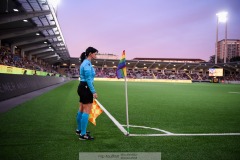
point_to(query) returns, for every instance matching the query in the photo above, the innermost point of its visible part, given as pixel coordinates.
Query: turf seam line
(112, 118)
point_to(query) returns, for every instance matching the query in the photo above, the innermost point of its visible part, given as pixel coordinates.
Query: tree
(234, 59)
(212, 59)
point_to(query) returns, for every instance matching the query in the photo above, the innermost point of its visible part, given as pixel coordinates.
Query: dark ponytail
(89, 50)
(83, 56)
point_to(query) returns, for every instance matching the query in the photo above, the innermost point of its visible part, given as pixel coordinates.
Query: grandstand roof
(230, 40)
(39, 18)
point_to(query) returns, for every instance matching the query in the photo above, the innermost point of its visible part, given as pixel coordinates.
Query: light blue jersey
(87, 74)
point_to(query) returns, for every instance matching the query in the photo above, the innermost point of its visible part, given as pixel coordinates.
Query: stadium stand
(31, 42)
(30, 37)
(30, 29)
(15, 60)
(196, 70)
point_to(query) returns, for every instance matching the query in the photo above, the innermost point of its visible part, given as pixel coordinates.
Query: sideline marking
(196, 134)
(122, 129)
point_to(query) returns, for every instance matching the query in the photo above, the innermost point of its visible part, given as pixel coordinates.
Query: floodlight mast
(221, 18)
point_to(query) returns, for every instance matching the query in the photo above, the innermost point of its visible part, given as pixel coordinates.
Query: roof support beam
(58, 42)
(54, 61)
(181, 66)
(21, 32)
(51, 56)
(230, 66)
(196, 67)
(32, 47)
(166, 65)
(33, 40)
(51, 59)
(44, 54)
(135, 65)
(151, 64)
(21, 16)
(40, 51)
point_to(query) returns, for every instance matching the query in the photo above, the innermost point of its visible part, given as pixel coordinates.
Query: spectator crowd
(9, 59)
(145, 74)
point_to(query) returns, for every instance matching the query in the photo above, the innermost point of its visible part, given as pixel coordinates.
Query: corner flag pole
(121, 72)
(125, 79)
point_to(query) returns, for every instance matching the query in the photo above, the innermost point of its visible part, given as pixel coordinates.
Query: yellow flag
(95, 112)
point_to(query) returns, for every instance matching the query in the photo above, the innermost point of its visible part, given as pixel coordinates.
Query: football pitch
(44, 128)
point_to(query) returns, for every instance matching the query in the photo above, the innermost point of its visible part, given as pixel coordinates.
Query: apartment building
(233, 48)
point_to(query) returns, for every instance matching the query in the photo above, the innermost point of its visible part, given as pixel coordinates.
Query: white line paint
(113, 119)
(122, 129)
(156, 129)
(197, 134)
(234, 92)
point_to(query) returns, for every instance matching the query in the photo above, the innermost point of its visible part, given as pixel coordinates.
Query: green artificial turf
(44, 128)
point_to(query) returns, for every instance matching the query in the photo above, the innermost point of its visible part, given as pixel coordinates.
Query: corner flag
(121, 70)
(95, 112)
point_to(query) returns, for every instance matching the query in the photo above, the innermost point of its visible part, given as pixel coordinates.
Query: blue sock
(84, 123)
(79, 117)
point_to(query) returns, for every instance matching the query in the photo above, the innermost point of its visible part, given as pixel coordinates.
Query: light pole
(221, 17)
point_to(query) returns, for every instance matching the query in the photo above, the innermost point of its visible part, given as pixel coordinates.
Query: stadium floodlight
(221, 17)
(54, 3)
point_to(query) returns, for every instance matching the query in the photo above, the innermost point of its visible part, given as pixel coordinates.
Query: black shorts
(85, 95)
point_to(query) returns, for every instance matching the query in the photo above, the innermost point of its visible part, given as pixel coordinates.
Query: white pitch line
(159, 135)
(197, 134)
(234, 92)
(113, 119)
(156, 129)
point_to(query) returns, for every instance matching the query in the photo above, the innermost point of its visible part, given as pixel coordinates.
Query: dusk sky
(147, 28)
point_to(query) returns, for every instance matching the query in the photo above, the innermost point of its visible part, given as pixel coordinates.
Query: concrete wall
(12, 85)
